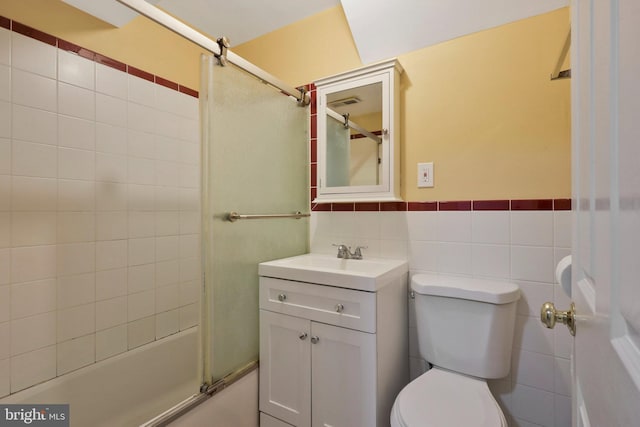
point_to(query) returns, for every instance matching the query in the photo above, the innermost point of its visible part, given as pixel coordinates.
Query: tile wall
(99, 207)
(517, 240)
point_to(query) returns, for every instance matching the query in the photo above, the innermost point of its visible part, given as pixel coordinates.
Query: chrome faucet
(345, 252)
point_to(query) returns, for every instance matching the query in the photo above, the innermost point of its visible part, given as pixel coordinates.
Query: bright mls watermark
(34, 415)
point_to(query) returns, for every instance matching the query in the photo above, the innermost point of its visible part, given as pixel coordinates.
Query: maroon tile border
(314, 127)
(342, 207)
(460, 205)
(5, 22)
(321, 207)
(140, 73)
(167, 83)
(562, 204)
(188, 91)
(314, 174)
(422, 206)
(491, 205)
(94, 56)
(393, 206)
(33, 33)
(367, 207)
(455, 206)
(109, 62)
(314, 150)
(80, 51)
(532, 205)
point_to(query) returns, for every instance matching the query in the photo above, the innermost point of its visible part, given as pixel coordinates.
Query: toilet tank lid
(484, 290)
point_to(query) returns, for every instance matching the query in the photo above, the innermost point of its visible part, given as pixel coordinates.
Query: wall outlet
(425, 175)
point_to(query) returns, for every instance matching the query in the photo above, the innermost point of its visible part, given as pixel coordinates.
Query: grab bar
(234, 216)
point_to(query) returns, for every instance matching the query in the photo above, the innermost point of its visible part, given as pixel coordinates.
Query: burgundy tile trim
(422, 206)
(313, 105)
(314, 126)
(5, 22)
(342, 207)
(89, 54)
(313, 193)
(455, 205)
(74, 48)
(105, 60)
(367, 207)
(532, 205)
(491, 205)
(562, 204)
(393, 206)
(167, 83)
(33, 33)
(321, 207)
(140, 73)
(314, 174)
(188, 91)
(314, 150)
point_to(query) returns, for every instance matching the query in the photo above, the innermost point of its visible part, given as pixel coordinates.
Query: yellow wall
(141, 43)
(481, 107)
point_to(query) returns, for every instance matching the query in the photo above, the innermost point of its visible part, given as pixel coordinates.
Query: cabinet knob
(282, 297)
(339, 308)
(303, 336)
(315, 339)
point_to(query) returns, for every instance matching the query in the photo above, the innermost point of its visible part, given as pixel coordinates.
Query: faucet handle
(343, 250)
(357, 254)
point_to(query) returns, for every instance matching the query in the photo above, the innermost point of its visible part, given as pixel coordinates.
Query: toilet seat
(441, 398)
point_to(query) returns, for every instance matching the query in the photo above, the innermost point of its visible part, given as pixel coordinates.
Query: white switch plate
(425, 175)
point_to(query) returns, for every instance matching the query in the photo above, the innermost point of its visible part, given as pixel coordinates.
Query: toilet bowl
(441, 398)
(465, 329)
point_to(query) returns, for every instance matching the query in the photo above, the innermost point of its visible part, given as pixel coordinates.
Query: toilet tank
(465, 324)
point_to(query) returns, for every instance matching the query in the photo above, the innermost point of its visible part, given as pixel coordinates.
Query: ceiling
(380, 29)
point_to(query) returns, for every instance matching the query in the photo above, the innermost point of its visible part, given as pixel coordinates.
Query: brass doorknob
(549, 316)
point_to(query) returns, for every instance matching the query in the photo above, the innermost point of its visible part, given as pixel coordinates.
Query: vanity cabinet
(331, 356)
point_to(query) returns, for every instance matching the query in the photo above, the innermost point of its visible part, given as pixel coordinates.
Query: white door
(343, 375)
(606, 197)
(285, 364)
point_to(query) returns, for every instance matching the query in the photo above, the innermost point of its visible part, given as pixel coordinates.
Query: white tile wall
(522, 246)
(99, 212)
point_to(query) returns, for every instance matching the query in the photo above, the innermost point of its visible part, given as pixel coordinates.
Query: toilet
(465, 330)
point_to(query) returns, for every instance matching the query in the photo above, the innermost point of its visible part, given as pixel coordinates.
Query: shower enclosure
(123, 287)
(255, 162)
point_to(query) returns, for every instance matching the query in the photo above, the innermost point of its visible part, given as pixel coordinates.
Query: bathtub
(128, 389)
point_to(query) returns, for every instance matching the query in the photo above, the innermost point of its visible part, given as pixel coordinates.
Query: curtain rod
(161, 17)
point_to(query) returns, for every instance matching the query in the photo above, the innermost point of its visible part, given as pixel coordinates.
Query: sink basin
(369, 274)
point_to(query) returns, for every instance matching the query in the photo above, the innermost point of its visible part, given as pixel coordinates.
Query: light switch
(425, 174)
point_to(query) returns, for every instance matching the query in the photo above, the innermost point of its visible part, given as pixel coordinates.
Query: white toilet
(465, 329)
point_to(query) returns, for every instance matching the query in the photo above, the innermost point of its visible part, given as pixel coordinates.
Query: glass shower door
(255, 162)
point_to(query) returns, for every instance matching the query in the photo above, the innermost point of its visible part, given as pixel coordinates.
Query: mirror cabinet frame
(388, 188)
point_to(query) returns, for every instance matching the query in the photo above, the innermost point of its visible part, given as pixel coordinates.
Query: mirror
(358, 122)
(354, 129)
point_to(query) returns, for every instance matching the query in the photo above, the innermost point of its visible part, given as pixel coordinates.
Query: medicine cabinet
(359, 134)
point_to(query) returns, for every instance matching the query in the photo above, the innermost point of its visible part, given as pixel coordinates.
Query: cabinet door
(285, 363)
(343, 377)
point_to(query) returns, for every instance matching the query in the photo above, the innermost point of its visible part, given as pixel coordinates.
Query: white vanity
(333, 341)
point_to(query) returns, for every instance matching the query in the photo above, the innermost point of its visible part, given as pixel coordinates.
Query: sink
(369, 274)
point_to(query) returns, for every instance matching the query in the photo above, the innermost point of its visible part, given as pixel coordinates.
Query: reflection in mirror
(354, 126)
